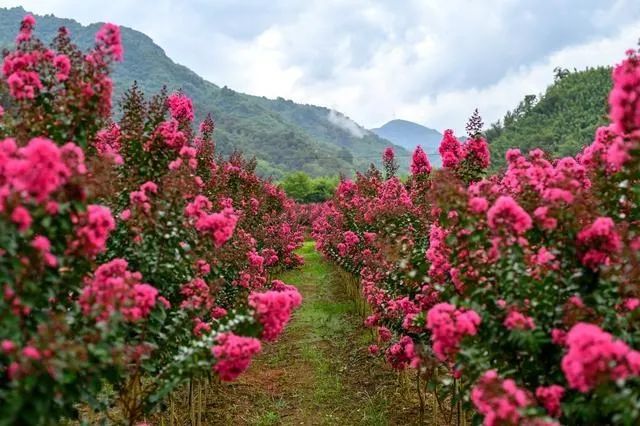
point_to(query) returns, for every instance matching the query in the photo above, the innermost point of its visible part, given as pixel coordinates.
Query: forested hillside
(561, 121)
(282, 135)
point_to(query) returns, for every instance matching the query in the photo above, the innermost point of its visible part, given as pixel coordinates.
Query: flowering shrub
(523, 284)
(130, 255)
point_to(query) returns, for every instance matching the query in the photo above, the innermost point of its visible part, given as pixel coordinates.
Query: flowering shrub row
(524, 285)
(130, 255)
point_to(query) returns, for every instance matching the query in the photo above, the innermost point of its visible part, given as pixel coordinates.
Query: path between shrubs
(319, 371)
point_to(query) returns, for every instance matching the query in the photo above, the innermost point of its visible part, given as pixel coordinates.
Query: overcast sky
(429, 61)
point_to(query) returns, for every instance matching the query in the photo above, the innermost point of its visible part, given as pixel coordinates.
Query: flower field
(515, 296)
(133, 259)
(137, 262)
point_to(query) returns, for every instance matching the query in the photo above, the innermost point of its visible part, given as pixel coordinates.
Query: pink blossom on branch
(219, 225)
(450, 150)
(500, 401)
(109, 42)
(595, 356)
(273, 310)
(113, 288)
(420, 162)
(233, 355)
(507, 214)
(624, 99)
(95, 226)
(600, 241)
(477, 150)
(388, 155)
(517, 321)
(448, 327)
(107, 143)
(549, 397)
(180, 107)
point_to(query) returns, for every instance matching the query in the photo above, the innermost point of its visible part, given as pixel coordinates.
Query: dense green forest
(561, 121)
(282, 135)
(305, 189)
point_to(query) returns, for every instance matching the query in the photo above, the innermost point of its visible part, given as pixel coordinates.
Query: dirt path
(319, 372)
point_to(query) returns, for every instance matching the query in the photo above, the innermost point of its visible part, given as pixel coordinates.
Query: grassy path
(319, 372)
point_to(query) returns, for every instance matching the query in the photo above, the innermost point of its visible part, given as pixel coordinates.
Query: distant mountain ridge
(283, 136)
(408, 135)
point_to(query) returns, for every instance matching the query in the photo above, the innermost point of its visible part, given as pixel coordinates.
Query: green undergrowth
(319, 371)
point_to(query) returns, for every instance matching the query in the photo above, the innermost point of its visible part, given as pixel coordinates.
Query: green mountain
(282, 135)
(561, 121)
(408, 135)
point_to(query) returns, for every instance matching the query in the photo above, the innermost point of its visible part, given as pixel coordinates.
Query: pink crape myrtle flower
(549, 397)
(500, 401)
(93, 233)
(180, 107)
(507, 214)
(518, 321)
(595, 356)
(448, 327)
(450, 150)
(219, 225)
(420, 162)
(233, 355)
(273, 309)
(403, 354)
(109, 42)
(600, 241)
(113, 288)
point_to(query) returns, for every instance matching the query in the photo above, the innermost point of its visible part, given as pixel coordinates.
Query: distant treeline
(560, 121)
(305, 189)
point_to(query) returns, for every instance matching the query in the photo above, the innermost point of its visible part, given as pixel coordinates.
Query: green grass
(318, 372)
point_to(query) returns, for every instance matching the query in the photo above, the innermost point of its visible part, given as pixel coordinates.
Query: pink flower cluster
(550, 397)
(438, 254)
(140, 198)
(388, 155)
(624, 99)
(233, 354)
(474, 151)
(600, 241)
(219, 225)
(274, 308)
(93, 230)
(351, 238)
(448, 327)
(507, 214)
(63, 67)
(180, 107)
(43, 245)
(20, 70)
(170, 134)
(196, 295)
(107, 143)
(402, 354)
(608, 149)
(420, 162)
(450, 150)
(27, 25)
(38, 169)
(114, 288)
(198, 207)
(517, 321)
(500, 401)
(477, 150)
(595, 356)
(109, 42)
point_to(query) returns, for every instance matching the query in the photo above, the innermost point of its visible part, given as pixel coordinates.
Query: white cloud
(338, 119)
